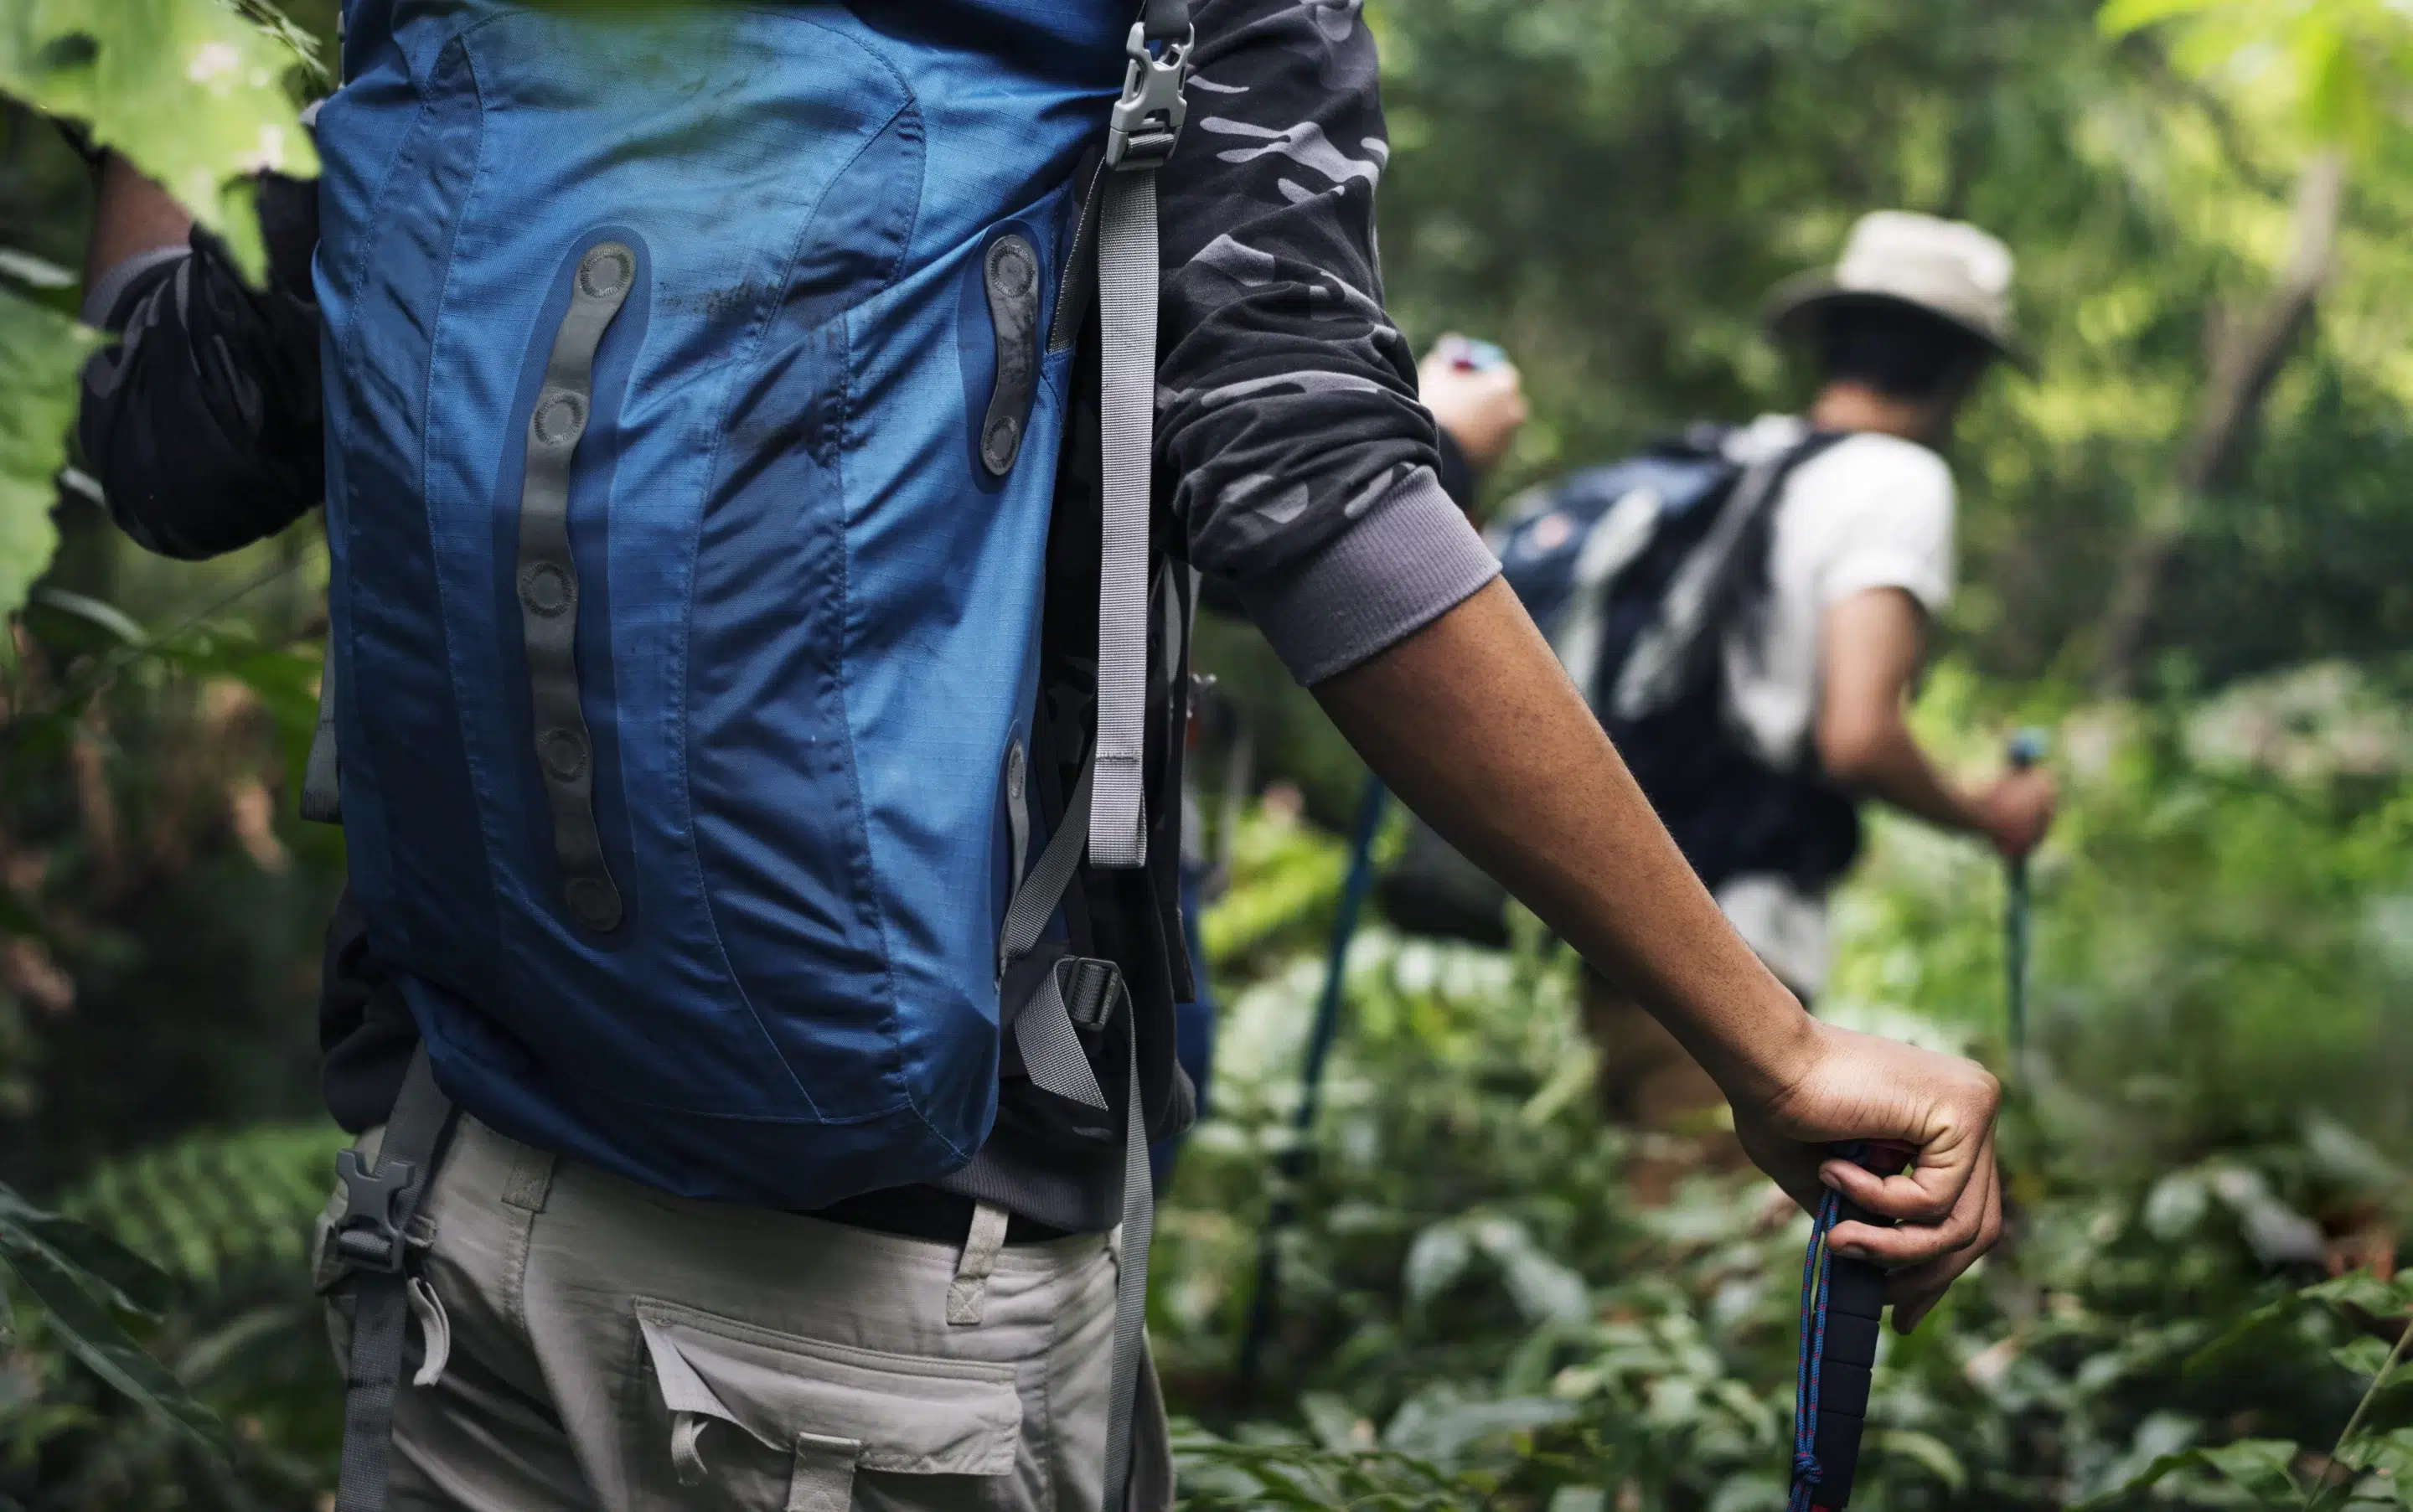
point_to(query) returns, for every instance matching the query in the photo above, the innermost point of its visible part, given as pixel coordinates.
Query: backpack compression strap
(1145, 125)
(374, 1240)
(1047, 995)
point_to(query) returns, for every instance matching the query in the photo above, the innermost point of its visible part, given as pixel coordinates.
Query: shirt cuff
(108, 291)
(1410, 558)
(1890, 570)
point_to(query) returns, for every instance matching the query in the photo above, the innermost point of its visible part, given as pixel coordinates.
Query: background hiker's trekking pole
(2027, 748)
(1265, 1296)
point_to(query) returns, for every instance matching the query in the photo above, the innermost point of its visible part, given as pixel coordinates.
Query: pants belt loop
(530, 1182)
(967, 1295)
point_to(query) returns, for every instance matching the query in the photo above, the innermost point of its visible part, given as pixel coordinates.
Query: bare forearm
(130, 215)
(1890, 767)
(1472, 721)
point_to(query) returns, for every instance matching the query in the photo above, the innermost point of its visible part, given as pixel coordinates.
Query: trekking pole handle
(1841, 1313)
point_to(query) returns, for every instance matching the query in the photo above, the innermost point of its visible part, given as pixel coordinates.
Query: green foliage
(82, 1280)
(229, 1214)
(2338, 67)
(1609, 186)
(194, 92)
(39, 356)
(1475, 1312)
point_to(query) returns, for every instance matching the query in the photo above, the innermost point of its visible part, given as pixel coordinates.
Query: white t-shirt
(1870, 512)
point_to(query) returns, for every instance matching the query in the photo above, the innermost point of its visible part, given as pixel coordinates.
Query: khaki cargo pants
(595, 1345)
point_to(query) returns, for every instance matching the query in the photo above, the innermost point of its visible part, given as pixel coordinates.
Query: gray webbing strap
(1130, 1286)
(1036, 899)
(1092, 992)
(1127, 300)
(1702, 588)
(1088, 993)
(373, 1238)
(548, 584)
(322, 801)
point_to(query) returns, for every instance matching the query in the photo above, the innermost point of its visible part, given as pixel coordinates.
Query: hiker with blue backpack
(760, 452)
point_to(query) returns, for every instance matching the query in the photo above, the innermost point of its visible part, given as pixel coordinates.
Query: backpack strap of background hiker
(374, 1242)
(1703, 592)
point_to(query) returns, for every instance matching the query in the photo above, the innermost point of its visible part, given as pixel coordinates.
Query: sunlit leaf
(2121, 17)
(192, 91)
(40, 354)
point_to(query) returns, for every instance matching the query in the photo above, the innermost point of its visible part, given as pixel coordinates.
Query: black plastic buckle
(1091, 989)
(1147, 121)
(379, 1206)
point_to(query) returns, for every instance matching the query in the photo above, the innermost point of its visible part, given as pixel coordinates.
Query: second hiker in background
(1822, 638)
(1748, 609)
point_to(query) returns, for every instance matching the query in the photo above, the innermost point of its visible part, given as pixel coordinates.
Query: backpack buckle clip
(379, 1202)
(1147, 121)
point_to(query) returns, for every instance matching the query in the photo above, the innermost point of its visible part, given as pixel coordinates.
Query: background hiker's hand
(1948, 1208)
(2018, 810)
(1482, 408)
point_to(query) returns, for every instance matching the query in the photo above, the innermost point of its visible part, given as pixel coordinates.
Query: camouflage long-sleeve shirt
(1286, 400)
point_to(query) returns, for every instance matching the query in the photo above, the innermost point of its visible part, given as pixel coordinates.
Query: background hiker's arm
(130, 215)
(1873, 643)
(202, 420)
(1473, 723)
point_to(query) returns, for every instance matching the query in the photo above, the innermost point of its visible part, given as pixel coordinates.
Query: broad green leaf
(1436, 1260)
(124, 1278)
(40, 354)
(2363, 1356)
(2362, 1290)
(2258, 1466)
(95, 1338)
(1931, 1453)
(190, 91)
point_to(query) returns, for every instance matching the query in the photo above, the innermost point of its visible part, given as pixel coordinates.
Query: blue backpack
(696, 381)
(716, 767)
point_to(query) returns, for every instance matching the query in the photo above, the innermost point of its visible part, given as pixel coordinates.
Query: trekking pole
(2027, 748)
(1293, 1166)
(1841, 1301)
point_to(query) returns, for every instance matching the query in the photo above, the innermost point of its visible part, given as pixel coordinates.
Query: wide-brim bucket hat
(1948, 268)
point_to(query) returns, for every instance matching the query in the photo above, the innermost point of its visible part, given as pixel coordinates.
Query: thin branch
(2246, 357)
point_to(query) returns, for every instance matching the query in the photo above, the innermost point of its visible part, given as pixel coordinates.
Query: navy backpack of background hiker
(1635, 571)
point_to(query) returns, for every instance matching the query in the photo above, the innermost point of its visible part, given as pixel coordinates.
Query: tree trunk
(2246, 354)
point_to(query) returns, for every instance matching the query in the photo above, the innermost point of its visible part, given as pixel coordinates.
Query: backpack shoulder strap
(1145, 125)
(1703, 591)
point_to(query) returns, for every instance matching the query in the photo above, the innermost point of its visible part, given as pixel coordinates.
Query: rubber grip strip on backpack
(1010, 275)
(548, 587)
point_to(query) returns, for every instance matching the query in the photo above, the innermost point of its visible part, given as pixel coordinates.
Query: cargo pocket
(769, 1422)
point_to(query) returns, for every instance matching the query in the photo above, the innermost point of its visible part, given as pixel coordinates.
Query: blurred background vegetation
(2188, 548)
